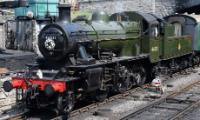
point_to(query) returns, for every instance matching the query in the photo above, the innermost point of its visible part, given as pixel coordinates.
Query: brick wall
(160, 8)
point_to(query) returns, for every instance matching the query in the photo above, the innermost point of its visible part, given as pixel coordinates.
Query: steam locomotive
(91, 58)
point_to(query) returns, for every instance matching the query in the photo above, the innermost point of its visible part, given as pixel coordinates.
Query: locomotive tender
(94, 57)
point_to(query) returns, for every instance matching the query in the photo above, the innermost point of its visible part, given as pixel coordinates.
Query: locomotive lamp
(49, 90)
(39, 74)
(29, 14)
(7, 86)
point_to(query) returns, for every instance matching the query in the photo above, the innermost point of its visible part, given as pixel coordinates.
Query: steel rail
(178, 115)
(99, 104)
(173, 94)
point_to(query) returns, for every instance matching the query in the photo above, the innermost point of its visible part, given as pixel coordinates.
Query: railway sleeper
(168, 108)
(179, 101)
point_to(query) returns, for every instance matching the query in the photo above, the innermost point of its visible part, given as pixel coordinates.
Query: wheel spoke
(139, 75)
(65, 105)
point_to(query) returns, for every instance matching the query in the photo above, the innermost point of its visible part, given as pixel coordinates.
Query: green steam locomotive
(91, 58)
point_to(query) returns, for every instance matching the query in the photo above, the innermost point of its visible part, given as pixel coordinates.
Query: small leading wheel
(121, 86)
(139, 75)
(129, 80)
(65, 103)
(190, 61)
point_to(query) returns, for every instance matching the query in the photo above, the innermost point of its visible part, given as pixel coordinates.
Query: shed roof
(196, 17)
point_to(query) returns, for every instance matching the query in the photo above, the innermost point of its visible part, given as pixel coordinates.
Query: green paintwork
(145, 44)
(122, 47)
(175, 46)
(86, 14)
(154, 49)
(121, 40)
(125, 38)
(166, 46)
(197, 37)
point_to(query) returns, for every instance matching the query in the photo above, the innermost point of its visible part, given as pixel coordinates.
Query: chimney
(23, 3)
(13, 4)
(64, 13)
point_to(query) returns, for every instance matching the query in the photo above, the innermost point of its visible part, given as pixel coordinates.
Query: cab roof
(134, 15)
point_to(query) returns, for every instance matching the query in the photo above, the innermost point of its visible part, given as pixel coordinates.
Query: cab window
(154, 31)
(177, 29)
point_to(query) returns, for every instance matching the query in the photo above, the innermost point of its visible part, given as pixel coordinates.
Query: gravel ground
(16, 60)
(193, 115)
(7, 99)
(123, 107)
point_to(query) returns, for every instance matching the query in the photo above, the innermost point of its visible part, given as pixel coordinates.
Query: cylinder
(23, 3)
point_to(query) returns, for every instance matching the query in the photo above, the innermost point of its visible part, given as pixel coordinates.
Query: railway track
(170, 99)
(16, 112)
(8, 107)
(20, 116)
(99, 104)
(111, 99)
(171, 107)
(96, 105)
(27, 114)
